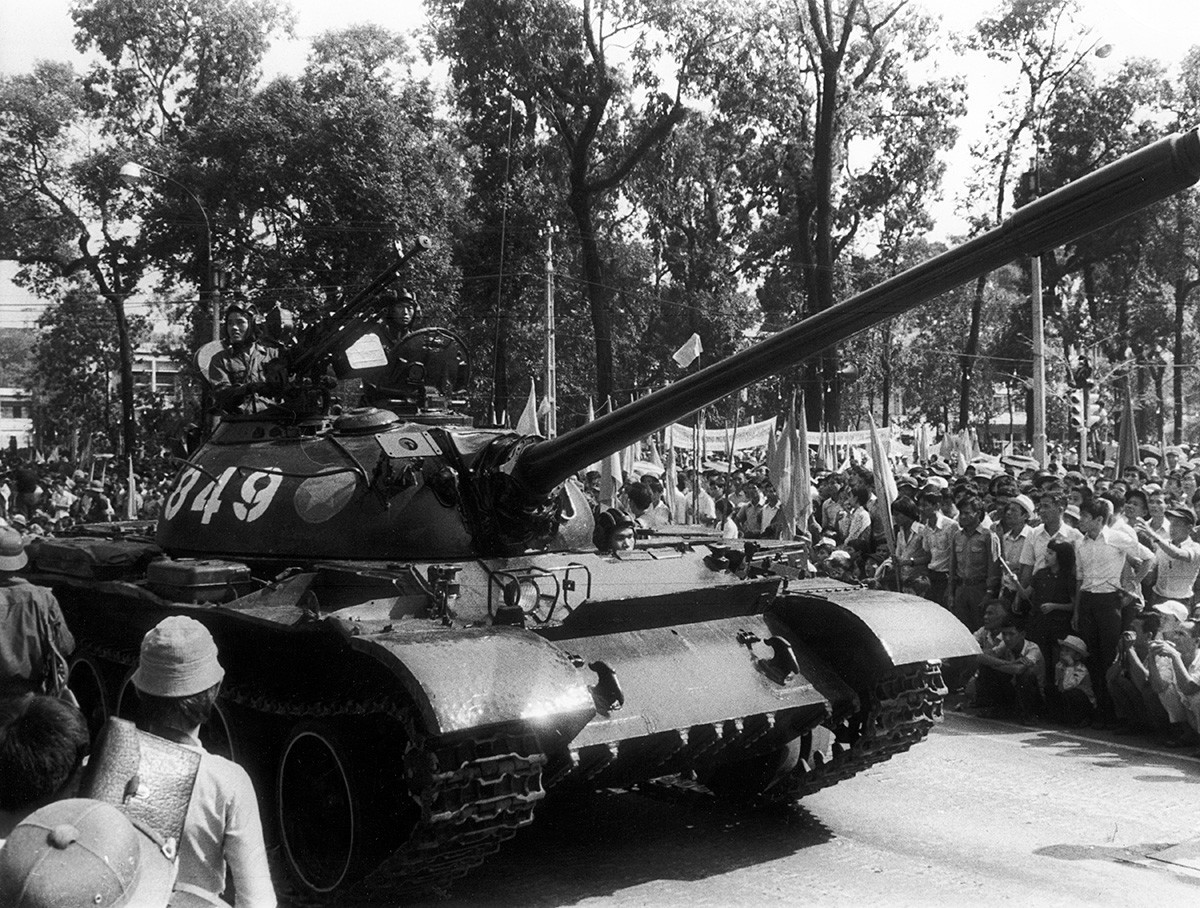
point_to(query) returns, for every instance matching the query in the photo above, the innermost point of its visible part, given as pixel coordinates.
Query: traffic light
(1096, 412)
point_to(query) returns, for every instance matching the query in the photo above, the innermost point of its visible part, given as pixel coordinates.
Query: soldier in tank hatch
(238, 372)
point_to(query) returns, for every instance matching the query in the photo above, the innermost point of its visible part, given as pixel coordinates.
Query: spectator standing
(1177, 557)
(1014, 539)
(43, 741)
(1101, 557)
(178, 677)
(975, 575)
(31, 627)
(941, 530)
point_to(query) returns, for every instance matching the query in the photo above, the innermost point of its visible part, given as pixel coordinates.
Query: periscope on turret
(421, 640)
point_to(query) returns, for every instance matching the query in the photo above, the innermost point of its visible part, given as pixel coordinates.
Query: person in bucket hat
(178, 678)
(1071, 700)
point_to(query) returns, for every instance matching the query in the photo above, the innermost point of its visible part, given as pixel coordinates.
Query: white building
(16, 417)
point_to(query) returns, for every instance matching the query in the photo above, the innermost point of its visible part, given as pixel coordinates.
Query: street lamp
(134, 174)
(1037, 318)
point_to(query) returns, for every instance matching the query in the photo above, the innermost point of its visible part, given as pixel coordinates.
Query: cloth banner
(752, 435)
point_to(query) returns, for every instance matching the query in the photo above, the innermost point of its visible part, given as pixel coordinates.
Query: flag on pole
(1128, 454)
(612, 476)
(885, 482)
(544, 407)
(131, 495)
(671, 495)
(591, 417)
(686, 355)
(528, 422)
(802, 475)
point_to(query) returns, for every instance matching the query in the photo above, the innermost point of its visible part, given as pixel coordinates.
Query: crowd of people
(1080, 585)
(46, 497)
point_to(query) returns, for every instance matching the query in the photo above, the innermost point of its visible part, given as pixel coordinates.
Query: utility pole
(1039, 342)
(551, 356)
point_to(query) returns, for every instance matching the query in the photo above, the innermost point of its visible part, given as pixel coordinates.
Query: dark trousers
(1136, 706)
(1021, 692)
(968, 603)
(939, 583)
(1071, 707)
(1100, 629)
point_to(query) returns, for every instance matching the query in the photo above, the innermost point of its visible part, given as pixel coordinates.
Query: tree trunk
(598, 296)
(128, 423)
(970, 354)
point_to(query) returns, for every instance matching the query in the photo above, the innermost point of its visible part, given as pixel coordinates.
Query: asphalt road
(981, 813)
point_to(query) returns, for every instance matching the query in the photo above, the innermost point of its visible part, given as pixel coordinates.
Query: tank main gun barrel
(1151, 174)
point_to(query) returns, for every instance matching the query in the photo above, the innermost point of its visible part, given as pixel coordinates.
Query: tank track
(473, 795)
(899, 712)
(902, 707)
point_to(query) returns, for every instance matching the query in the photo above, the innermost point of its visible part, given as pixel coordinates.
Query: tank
(421, 641)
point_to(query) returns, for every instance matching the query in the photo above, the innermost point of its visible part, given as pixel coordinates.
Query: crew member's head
(239, 322)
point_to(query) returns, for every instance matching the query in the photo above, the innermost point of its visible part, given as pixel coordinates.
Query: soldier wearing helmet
(239, 370)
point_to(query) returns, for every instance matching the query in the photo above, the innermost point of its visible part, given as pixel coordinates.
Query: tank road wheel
(86, 680)
(319, 817)
(216, 734)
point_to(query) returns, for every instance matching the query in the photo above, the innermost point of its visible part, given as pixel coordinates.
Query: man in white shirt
(1050, 508)
(1178, 558)
(1101, 557)
(1014, 539)
(940, 530)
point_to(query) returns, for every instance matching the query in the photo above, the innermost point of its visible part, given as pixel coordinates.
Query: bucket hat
(1072, 642)
(178, 658)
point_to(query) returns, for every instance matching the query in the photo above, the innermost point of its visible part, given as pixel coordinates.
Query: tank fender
(864, 633)
(464, 679)
(705, 673)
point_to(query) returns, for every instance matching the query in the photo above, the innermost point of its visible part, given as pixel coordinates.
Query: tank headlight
(521, 594)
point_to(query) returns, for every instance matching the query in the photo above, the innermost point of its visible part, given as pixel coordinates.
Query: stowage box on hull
(198, 580)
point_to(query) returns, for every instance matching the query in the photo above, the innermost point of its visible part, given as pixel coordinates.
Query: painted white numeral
(257, 493)
(182, 491)
(208, 501)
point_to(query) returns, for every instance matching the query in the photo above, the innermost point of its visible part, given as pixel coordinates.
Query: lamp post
(1038, 338)
(133, 174)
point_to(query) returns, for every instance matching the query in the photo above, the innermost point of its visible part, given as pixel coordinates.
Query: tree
(1042, 40)
(590, 75)
(74, 360)
(818, 82)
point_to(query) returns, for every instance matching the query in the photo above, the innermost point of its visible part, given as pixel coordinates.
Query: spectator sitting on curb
(1010, 675)
(1070, 699)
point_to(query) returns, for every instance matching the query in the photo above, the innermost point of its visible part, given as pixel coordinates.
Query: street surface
(981, 813)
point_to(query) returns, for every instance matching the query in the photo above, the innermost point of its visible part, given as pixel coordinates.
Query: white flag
(687, 354)
(528, 423)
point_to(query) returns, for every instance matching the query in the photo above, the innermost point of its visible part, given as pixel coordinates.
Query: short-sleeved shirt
(223, 826)
(1012, 550)
(24, 610)
(1035, 552)
(941, 542)
(1100, 562)
(1176, 576)
(975, 555)
(1030, 655)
